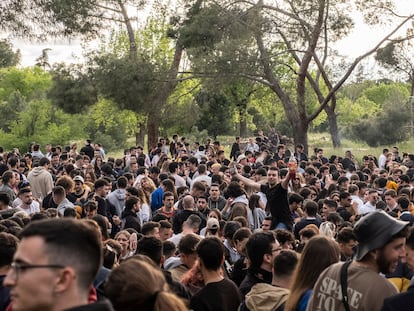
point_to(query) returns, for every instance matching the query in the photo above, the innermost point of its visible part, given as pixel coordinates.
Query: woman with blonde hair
(148, 186)
(139, 285)
(319, 253)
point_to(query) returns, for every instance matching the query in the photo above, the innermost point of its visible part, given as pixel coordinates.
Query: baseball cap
(375, 230)
(212, 223)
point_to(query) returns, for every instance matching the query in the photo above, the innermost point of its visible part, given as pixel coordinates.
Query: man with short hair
(277, 197)
(347, 242)
(117, 197)
(27, 205)
(202, 206)
(188, 255)
(310, 210)
(381, 244)
(219, 293)
(390, 197)
(54, 266)
(8, 246)
(129, 215)
(166, 231)
(40, 179)
(59, 198)
(151, 228)
(261, 249)
(215, 199)
(273, 296)
(173, 169)
(182, 215)
(167, 208)
(370, 204)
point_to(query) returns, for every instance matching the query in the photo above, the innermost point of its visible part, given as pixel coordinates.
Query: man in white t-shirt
(27, 205)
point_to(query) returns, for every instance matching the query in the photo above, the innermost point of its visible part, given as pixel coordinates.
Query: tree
(285, 46)
(8, 57)
(215, 113)
(397, 56)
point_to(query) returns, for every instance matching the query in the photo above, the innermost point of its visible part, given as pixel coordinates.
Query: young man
(277, 197)
(381, 245)
(54, 266)
(219, 293)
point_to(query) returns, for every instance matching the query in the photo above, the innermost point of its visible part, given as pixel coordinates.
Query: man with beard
(381, 241)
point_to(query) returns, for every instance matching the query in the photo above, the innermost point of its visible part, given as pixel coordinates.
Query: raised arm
(247, 181)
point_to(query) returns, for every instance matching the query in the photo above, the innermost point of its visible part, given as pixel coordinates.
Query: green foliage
(387, 93)
(109, 125)
(215, 113)
(8, 57)
(72, 90)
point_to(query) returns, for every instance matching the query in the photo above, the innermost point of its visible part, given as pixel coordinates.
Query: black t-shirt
(278, 205)
(218, 296)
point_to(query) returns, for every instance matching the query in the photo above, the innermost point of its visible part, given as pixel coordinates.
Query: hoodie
(265, 297)
(41, 182)
(117, 199)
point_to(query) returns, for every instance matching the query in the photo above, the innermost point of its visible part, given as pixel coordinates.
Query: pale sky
(70, 51)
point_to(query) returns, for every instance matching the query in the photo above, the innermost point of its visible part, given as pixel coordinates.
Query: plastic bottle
(293, 166)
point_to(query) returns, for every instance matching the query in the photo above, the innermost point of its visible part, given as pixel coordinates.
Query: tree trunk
(243, 121)
(153, 128)
(130, 31)
(140, 135)
(300, 133)
(333, 126)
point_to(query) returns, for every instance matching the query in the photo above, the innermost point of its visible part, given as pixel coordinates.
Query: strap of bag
(344, 284)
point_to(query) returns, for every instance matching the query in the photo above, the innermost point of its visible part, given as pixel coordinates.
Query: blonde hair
(138, 284)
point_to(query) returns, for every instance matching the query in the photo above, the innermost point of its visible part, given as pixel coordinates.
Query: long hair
(140, 285)
(319, 253)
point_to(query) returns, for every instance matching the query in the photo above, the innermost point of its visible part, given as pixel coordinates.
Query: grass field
(322, 140)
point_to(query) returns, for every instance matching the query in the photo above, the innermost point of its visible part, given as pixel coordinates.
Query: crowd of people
(187, 227)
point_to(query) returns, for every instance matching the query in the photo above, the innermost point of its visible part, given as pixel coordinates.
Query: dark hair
(211, 253)
(285, 263)
(311, 208)
(259, 244)
(152, 247)
(188, 243)
(230, 228)
(130, 202)
(8, 246)
(72, 243)
(241, 234)
(149, 226)
(346, 235)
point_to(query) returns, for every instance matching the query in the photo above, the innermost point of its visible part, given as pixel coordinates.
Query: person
(8, 246)
(264, 297)
(8, 179)
(129, 215)
(347, 242)
(319, 253)
(219, 293)
(381, 244)
(138, 284)
(40, 179)
(404, 300)
(310, 210)
(277, 197)
(28, 205)
(235, 149)
(261, 248)
(54, 266)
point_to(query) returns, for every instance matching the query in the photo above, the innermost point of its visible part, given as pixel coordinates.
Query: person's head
(8, 246)
(347, 241)
(201, 203)
(381, 240)
(152, 247)
(25, 194)
(151, 228)
(284, 266)
(390, 197)
(8, 177)
(318, 254)
(168, 199)
(101, 187)
(54, 265)
(240, 238)
(192, 223)
(91, 209)
(58, 194)
(266, 223)
(123, 238)
(138, 284)
(329, 206)
(272, 176)
(261, 249)
(285, 238)
(4, 201)
(310, 208)
(132, 203)
(165, 229)
(188, 203)
(210, 253)
(187, 249)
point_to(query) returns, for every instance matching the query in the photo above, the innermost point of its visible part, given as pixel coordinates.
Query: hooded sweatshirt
(265, 297)
(41, 182)
(117, 199)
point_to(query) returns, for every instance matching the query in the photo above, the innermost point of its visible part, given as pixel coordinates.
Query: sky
(70, 51)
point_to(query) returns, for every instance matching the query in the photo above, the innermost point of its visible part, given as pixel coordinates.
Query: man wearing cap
(381, 243)
(80, 191)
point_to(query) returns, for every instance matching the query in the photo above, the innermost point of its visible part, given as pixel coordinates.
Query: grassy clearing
(322, 140)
